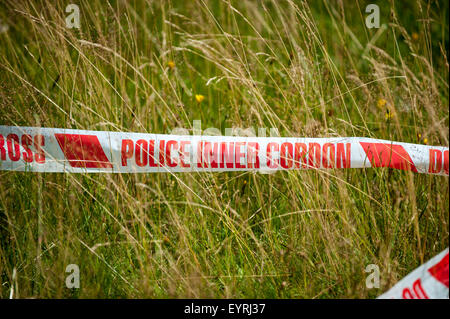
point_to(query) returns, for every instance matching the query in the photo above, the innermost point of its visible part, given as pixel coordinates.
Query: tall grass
(309, 69)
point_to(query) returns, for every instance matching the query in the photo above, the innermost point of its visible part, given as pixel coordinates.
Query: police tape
(67, 150)
(429, 281)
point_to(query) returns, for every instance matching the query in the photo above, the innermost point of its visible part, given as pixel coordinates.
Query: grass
(308, 69)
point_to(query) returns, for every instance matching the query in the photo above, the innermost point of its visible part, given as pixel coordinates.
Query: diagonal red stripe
(440, 270)
(388, 155)
(83, 150)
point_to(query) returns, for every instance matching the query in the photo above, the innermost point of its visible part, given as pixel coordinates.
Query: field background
(310, 69)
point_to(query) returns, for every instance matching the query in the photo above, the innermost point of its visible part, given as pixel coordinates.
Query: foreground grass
(308, 69)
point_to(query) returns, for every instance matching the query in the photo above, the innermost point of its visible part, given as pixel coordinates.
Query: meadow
(306, 68)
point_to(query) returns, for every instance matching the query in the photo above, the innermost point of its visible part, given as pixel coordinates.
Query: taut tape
(67, 150)
(429, 281)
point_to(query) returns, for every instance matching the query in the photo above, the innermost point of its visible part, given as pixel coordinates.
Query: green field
(309, 69)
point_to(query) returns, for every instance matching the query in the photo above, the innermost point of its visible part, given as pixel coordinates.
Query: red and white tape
(66, 150)
(429, 281)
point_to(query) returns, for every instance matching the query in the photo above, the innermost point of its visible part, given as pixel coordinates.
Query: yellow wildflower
(381, 103)
(415, 36)
(199, 98)
(171, 64)
(425, 141)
